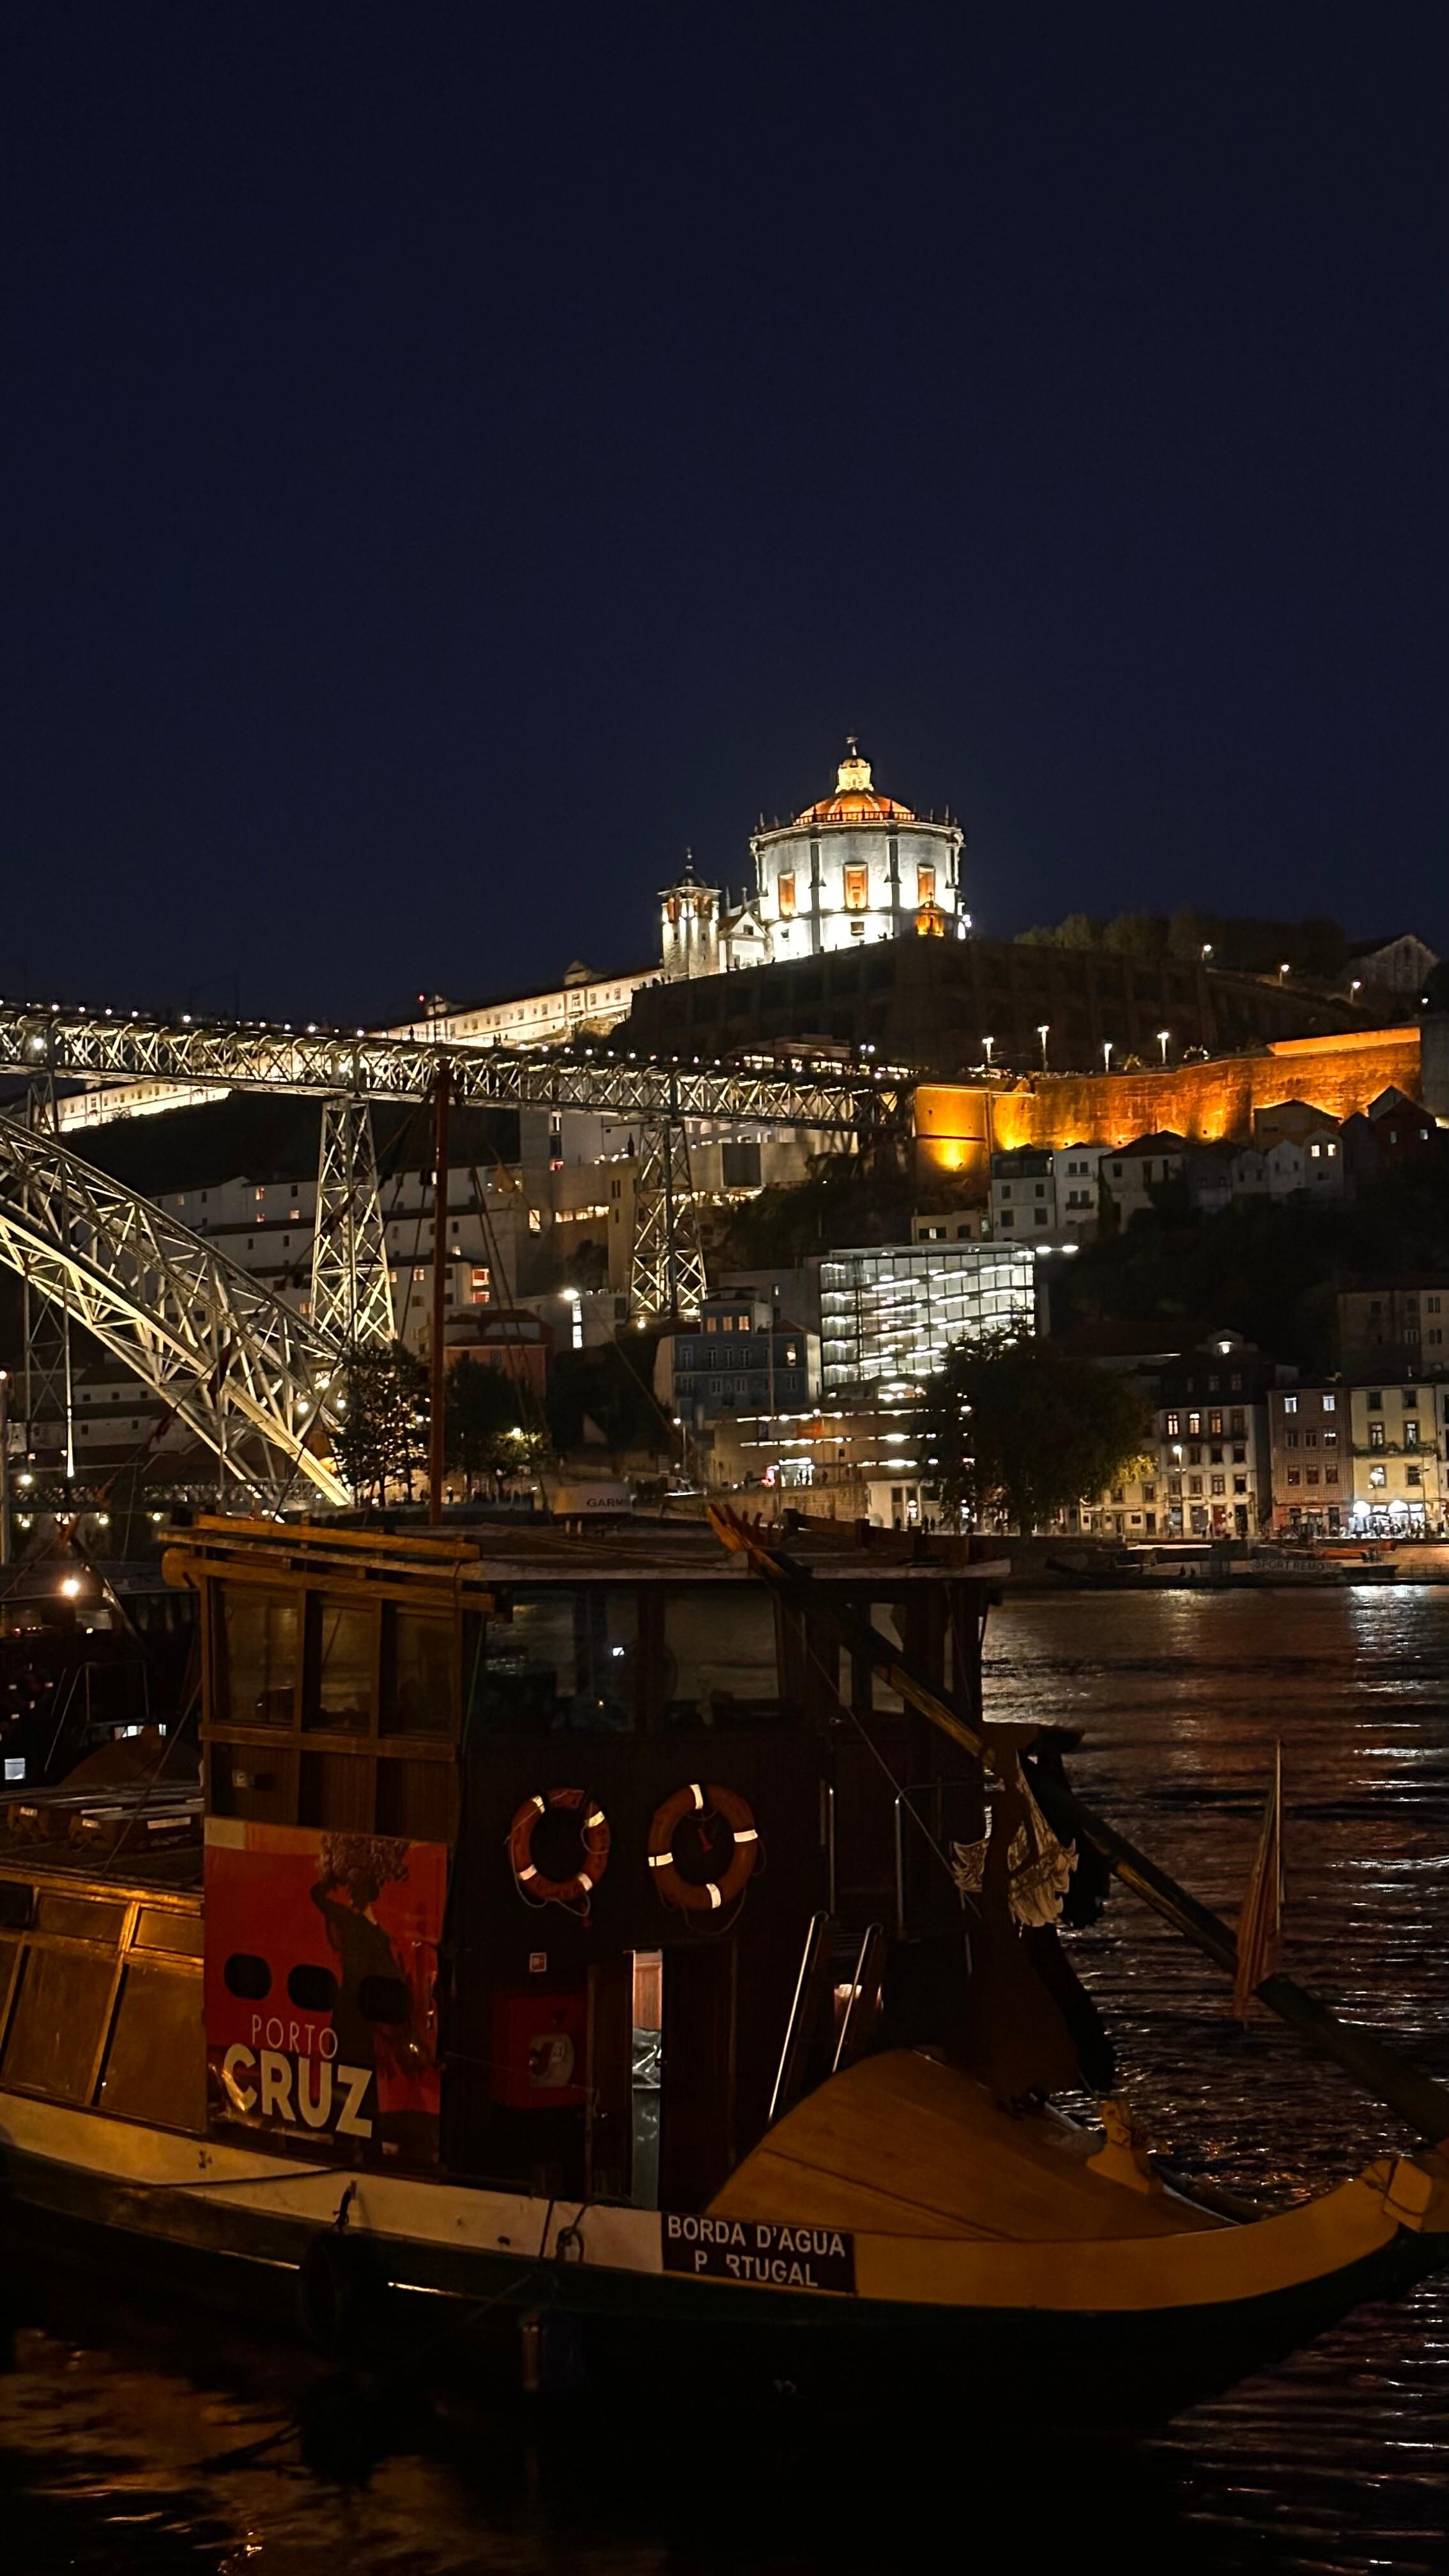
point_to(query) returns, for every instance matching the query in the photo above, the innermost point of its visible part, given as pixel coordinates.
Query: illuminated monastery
(856, 866)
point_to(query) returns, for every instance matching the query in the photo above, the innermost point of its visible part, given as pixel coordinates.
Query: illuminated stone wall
(959, 1125)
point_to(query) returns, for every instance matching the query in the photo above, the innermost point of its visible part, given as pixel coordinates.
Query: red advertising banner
(321, 1973)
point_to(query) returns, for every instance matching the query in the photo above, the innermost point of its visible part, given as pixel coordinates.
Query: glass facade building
(890, 1312)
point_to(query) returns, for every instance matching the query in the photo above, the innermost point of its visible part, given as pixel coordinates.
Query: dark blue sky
(455, 456)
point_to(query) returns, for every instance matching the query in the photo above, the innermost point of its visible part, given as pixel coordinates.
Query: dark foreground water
(130, 2444)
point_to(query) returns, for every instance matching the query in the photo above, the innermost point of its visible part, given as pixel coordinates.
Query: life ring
(593, 1833)
(705, 1896)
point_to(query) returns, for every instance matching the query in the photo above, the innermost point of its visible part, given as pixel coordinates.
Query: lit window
(925, 885)
(856, 883)
(1290, 1403)
(1378, 1475)
(787, 896)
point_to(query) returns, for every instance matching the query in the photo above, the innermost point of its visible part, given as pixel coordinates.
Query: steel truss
(666, 1276)
(47, 1386)
(247, 1376)
(108, 1047)
(351, 1286)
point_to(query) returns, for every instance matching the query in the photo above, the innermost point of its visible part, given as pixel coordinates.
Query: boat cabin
(562, 1868)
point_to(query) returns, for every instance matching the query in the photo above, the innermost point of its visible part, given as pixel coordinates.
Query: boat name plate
(758, 2253)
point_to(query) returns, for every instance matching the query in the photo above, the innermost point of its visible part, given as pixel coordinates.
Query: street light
(1356, 987)
(1163, 1035)
(1283, 970)
(1043, 1027)
(988, 1044)
(1207, 950)
(1106, 1055)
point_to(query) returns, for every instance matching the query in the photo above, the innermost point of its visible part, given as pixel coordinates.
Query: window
(1240, 1456)
(1149, 1493)
(1313, 1475)
(787, 897)
(259, 1655)
(1330, 1475)
(925, 885)
(1215, 1457)
(1295, 1475)
(1330, 1404)
(1375, 1399)
(1310, 1439)
(1290, 1403)
(1194, 1484)
(1290, 1439)
(1411, 1435)
(1240, 1484)
(1215, 1425)
(1330, 1440)
(1174, 1425)
(1409, 1398)
(1237, 1423)
(856, 885)
(1376, 1435)
(1194, 1426)
(1218, 1484)
(1413, 1475)
(1378, 1475)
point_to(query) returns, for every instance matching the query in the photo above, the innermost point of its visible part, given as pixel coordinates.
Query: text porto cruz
(759, 2252)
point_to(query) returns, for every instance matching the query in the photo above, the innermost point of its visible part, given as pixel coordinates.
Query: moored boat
(618, 1957)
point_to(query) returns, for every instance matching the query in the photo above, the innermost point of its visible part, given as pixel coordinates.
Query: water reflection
(136, 2444)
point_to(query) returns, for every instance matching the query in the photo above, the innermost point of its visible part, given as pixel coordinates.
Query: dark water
(119, 2440)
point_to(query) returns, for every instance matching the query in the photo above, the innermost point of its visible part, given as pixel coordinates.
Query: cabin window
(59, 2022)
(156, 2063)
(420, 1698)
(259, 1656)
(720, 1658)
(566, 1659)
(345, 1685)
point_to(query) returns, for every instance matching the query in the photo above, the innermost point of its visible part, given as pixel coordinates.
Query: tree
(381, 1435)
(1016, 1430)
(484, 1434)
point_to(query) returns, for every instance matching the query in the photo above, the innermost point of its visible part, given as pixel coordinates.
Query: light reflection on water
(1333, 2464)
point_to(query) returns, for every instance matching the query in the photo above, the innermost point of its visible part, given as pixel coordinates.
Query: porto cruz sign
(321, 1967)
(759, 2253)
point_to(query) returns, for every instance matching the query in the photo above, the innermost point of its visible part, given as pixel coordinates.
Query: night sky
(457, 456)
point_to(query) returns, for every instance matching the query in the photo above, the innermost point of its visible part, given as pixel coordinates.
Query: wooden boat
(599, 1968)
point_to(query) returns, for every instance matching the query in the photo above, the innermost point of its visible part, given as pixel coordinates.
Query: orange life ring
(593, 1833)
(708, 1895)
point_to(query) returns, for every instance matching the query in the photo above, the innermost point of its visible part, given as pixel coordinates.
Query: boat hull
(492, 2322)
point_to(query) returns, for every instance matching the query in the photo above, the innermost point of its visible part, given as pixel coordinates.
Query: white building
(855, 866)
(889, 1313)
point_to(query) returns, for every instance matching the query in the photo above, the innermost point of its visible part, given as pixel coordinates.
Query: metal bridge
(245, 1373)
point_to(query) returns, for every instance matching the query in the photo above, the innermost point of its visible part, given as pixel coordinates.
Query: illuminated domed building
(856, 866)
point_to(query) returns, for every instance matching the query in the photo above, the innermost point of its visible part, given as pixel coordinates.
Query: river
(119, 2434)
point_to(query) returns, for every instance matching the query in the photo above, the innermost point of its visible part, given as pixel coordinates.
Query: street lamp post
(1106, 1055)
(1043, 1030)
(1207, 950)
(1283, 971)
(987, 1045)
(1163, 1036)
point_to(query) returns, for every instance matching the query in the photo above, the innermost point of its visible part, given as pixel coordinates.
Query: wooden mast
(436, 1375)
(1372, 2063)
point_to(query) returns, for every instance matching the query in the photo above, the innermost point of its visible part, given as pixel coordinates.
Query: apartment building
(1205, 1470)
(1310, 1460)
(1397, 1439)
